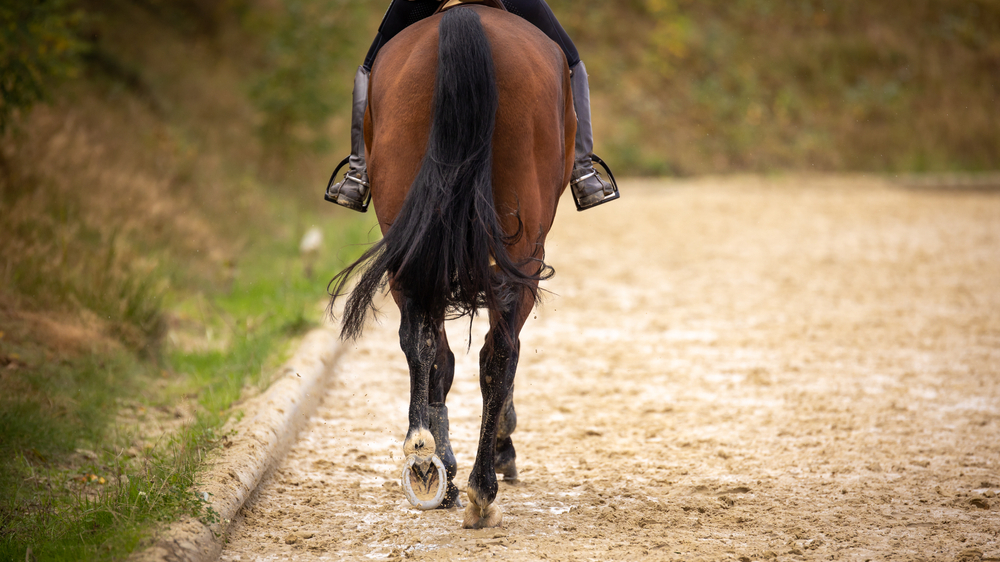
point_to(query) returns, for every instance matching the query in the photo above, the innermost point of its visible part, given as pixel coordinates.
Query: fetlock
(505, 459)
(352, 192)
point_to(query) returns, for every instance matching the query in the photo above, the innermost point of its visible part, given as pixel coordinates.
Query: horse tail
(441, 249)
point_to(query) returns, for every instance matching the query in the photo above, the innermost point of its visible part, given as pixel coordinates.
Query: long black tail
(440, 247)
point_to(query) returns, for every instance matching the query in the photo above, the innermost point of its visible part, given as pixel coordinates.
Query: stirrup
(614, 185)
(333, 179)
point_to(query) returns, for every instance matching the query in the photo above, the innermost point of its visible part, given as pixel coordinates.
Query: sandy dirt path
(738, 369)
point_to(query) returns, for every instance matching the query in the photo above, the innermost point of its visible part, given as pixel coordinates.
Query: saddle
(449, 4)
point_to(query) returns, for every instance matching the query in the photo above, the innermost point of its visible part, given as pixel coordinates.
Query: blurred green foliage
(137, 223)
(670, 38)
(680, 86)
(310, 50)
(38, 45)
(710, 86)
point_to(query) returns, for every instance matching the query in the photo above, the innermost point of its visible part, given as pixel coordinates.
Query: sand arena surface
(737, 369)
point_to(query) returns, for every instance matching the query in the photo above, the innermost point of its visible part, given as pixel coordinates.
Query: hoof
(476, 518)
(509, 471)
(451, 497)
(425, 481)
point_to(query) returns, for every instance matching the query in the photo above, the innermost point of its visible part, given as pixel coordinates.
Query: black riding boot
(352, 191)
(589, 188)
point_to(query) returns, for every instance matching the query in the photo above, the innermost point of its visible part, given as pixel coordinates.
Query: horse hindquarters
(444, 247)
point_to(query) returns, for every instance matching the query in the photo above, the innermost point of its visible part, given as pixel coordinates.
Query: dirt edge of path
(258, 443)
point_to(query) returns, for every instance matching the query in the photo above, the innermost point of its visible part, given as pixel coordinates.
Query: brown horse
(469, 135)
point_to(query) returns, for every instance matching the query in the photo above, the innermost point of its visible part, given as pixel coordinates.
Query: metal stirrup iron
(333, 179)
(614, 185)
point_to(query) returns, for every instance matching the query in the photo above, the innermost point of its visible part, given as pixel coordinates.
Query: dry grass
(689, 87)
(141, 189)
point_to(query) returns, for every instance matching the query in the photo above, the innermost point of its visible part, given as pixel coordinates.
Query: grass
(150, 275)
(88, 505)
(68, 490)
(692, 87)
(100, 449)
(272, 301)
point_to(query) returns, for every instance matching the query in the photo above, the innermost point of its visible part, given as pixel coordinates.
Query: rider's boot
(589, 188)
(352, 191)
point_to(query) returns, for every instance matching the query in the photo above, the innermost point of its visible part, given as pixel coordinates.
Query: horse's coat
(469, 136)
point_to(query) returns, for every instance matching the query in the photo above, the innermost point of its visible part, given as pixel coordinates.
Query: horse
(469, 137)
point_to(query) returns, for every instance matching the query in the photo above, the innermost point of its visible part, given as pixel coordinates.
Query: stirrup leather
(333, 179)
(614, 185)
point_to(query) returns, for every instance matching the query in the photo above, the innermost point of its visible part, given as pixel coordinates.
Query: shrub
(38, 45)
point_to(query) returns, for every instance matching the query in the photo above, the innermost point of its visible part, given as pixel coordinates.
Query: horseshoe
(425, 481)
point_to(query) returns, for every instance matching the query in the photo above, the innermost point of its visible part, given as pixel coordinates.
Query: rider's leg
(352, 191)
(588, 186)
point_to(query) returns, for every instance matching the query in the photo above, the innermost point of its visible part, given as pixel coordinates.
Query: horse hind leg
(506, 457)
(442, 375)
(424, 477)
(498, 363)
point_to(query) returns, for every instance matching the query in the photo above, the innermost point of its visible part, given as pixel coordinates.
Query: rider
(589, 188)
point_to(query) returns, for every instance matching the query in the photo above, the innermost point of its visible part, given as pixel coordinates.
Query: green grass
(150, 276)
(77, 484)
(51, 502)
(271, 301)
(103, 507)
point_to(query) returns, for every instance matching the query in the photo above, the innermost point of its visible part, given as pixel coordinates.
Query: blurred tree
(309, 41)
(670, 38)
(38, 45)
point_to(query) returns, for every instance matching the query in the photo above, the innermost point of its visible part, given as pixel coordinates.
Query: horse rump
(446, 249)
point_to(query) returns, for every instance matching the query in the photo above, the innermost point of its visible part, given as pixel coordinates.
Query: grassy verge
(63, 501)
(150, 273)
(99, 449)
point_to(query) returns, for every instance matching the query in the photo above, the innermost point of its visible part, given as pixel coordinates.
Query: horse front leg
(424, 477)
(497, 365)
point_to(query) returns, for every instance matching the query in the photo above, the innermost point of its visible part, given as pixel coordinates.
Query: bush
(312, 49)
(38, 45)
